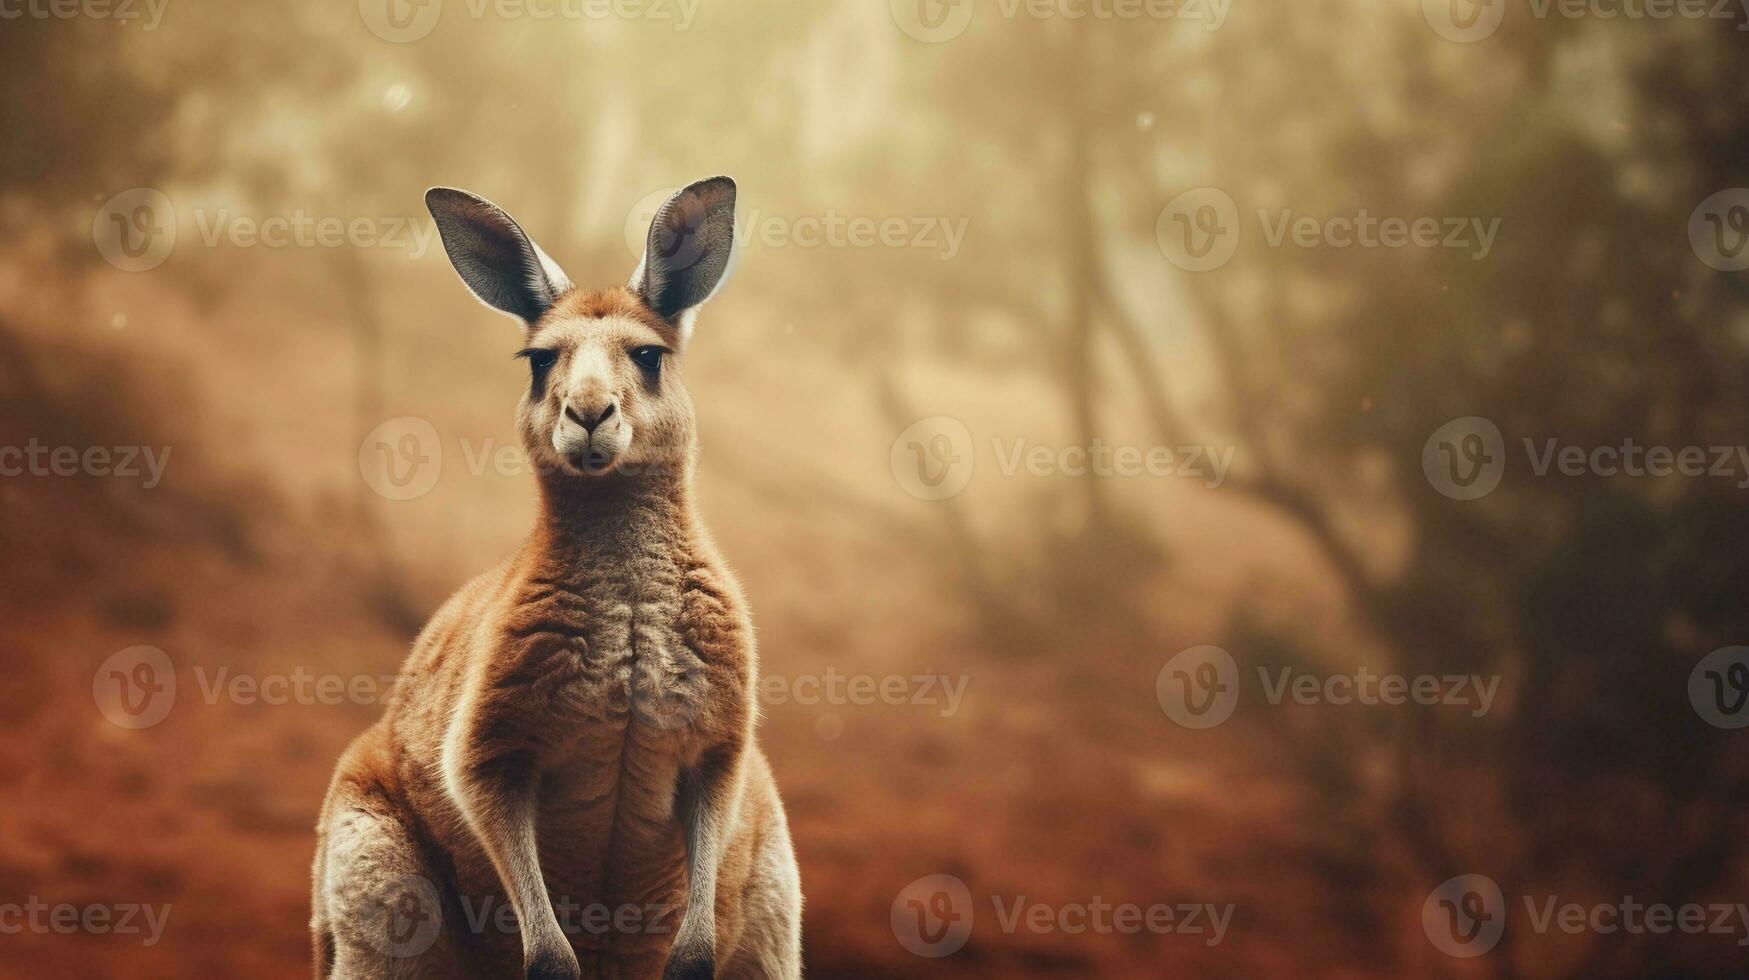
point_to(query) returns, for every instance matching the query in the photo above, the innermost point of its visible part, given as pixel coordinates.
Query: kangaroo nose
(588, 420)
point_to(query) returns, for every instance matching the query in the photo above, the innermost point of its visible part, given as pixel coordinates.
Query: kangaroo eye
(649, 357)
(539, 360)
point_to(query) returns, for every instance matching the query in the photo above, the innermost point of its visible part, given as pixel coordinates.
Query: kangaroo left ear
(500, 264)
(686, 254)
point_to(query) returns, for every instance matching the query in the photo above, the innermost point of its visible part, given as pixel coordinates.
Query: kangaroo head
(605, 393)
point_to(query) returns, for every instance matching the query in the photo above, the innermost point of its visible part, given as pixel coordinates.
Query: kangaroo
(565, 783)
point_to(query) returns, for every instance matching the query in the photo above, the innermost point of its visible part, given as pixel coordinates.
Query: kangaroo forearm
(704, 804)
(498, 798)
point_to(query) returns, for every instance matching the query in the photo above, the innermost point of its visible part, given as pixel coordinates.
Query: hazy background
(284, 382)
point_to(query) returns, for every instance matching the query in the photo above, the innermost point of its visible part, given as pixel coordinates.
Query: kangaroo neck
(613, 526)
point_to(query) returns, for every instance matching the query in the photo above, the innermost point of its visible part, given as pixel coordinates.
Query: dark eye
(649, 357)
(540, 360)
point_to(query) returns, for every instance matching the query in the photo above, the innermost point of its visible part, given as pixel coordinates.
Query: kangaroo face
(604, 394)
(604, 390)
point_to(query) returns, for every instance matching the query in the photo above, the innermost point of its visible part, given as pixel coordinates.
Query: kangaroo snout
(589, 418)
(592, 433)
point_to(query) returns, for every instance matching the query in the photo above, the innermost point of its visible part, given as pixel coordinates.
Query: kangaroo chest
(619, 693)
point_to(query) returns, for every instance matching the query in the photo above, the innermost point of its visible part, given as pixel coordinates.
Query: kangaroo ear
(500, 264)
(687, 251)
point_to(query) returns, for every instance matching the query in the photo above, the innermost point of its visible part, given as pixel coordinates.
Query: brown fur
(590, 697)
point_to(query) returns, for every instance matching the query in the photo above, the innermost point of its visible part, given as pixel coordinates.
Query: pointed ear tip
(438, 197)
(721, 182)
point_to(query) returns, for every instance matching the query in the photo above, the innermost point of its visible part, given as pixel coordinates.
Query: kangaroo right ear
(500, 264)
(686, 253)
